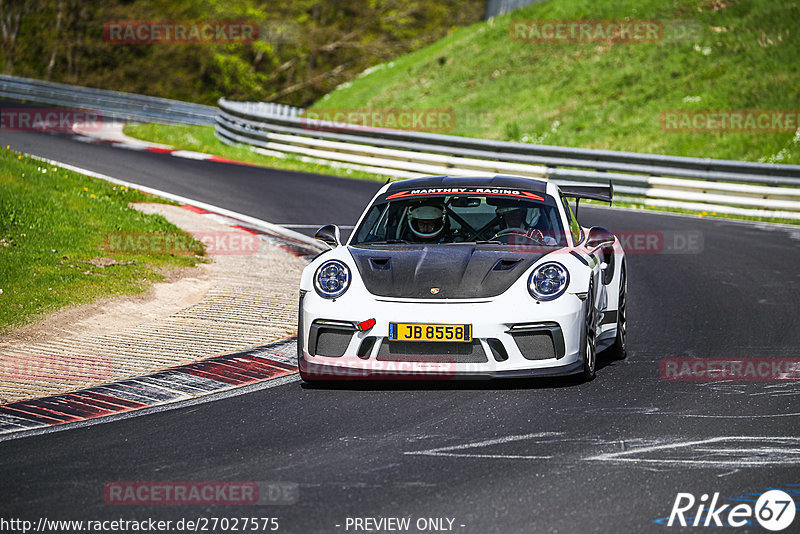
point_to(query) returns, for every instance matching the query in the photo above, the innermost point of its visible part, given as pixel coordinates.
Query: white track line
(445, 451)
(777, 459)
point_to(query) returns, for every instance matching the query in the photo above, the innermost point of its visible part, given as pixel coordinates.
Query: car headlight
(548, 281)
(332, 279)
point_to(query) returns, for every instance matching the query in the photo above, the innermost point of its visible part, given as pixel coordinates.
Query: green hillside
(737, 55)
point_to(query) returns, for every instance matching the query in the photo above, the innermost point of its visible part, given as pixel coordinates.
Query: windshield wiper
(385, 242)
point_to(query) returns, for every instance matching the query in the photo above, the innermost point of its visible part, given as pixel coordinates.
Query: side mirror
(599, 237)
(330, 235)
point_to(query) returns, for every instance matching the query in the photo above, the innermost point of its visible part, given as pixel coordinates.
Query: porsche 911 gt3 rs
(451, 277)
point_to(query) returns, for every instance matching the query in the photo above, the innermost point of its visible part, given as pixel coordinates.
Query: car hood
(454, 271)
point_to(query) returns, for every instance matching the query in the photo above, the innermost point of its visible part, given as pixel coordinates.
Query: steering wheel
(533, 235)
(504, 236)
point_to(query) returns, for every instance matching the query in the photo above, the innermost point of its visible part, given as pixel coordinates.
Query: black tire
(590, 337)
(619, 350)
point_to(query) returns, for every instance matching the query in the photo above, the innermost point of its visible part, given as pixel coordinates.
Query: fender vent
(608, 257)
(380, 264)
(505, 265)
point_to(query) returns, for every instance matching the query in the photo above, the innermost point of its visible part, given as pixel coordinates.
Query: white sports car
(449, 277)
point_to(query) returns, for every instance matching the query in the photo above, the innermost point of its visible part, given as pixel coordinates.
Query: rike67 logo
(774, 510)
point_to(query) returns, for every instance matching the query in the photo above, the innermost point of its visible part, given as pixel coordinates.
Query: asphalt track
(521, 456)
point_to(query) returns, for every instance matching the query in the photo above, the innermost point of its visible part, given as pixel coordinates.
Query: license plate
(430, 332)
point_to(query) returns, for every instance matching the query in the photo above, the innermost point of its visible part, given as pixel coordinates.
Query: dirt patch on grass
(181, 288)
(234, 302)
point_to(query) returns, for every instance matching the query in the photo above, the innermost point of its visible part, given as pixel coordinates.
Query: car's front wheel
(619, 350)
(590, 337)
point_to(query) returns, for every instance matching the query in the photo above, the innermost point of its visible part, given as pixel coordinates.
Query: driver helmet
(426, 221)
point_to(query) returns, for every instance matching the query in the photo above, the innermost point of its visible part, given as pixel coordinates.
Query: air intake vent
(535, 345)
(403, 351)
(366, 347)
(329, 338)
(332, 342)
(498, 350)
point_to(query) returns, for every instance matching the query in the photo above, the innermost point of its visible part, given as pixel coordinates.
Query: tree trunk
(10, 18)
(56, 40)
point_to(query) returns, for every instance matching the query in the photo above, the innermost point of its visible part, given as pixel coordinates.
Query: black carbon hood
(457, 271)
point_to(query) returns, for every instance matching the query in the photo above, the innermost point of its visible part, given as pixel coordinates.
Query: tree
(305, 48)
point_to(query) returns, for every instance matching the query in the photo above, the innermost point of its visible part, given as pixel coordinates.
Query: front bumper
(413, 371)
(511, 338)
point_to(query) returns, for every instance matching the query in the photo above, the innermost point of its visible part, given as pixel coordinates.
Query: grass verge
(53, 251)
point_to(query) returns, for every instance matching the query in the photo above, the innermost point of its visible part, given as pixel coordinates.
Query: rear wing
(592, 192)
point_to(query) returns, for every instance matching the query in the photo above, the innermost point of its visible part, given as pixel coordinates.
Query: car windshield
(482, 219)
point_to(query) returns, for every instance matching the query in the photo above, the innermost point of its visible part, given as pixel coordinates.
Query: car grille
(332, 342)
(409, 351)
(535, 345)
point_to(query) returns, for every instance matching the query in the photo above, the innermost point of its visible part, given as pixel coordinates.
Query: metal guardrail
(725, 186)
(495, 8)
(747, 188)
(110, 104)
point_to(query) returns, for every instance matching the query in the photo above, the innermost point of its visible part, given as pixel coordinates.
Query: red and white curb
(170, 386)
(187, 154)
(111, 134)
(301, 249)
